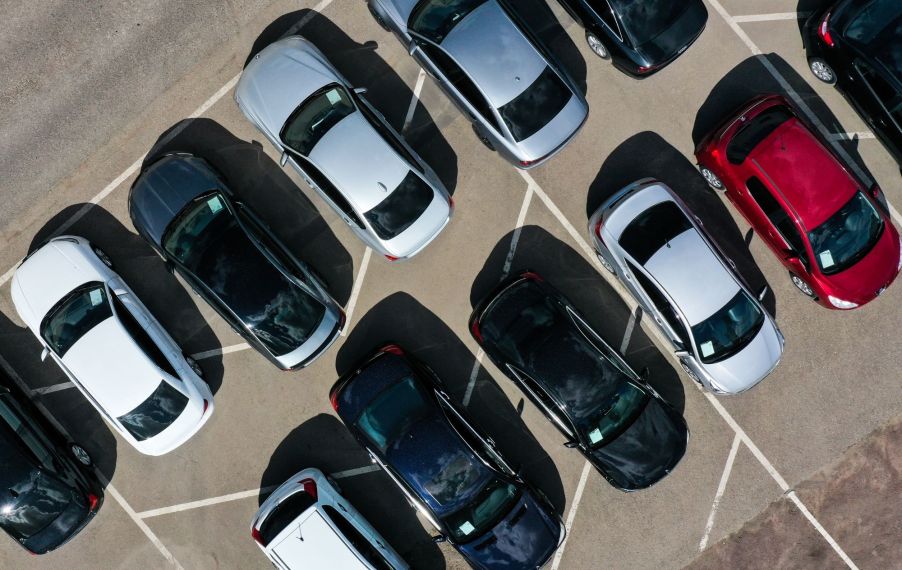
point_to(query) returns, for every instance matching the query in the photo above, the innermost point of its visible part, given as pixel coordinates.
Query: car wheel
(689, 372)
(596, 46)
(80, 454)
(800, 284)
(377, 17)
(482, 138)
(102, 256)
(606, 264)
(334, 484)
(713, 181)
(195, 366)
(822, 70)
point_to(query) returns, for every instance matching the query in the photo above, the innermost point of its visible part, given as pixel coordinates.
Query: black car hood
(525, 538)
(672, 41)
(69, 522)
(647, 451)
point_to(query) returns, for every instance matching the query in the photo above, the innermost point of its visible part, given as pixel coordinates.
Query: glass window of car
(645, 20)
(387, 134)
(37, 445)
(208, 240)
(754, 131)
(728, 330)
(284, 514)
(401, 208)
(847, 236)
(875, 21)
(332, 193)
(142, 338)
(460, 80)
(392, 412)
(888, 96)
(315, 116)
(32, 498)
(72, 318)
(434, 19)
(489, 506)
(156, 413)
(603, 10)
(356, 540)
(778, 216)
(527, 113)
(613, 416)
(662, 305)
(653, 229)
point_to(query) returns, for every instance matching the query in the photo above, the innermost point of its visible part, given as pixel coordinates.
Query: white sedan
(110, 346)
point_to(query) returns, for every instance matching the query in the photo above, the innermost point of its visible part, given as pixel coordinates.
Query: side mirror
(119, 292)
(789, 254)
(45, 353)
(874, 190)
(762, 293)
(412, 48)
(681, 353)
(571, 444)
(360, 90)
(284, 158)
(439, 539)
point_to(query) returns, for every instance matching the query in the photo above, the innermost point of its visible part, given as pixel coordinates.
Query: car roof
(495, 53)
(357, 159)
(812, 180)
(310, 542)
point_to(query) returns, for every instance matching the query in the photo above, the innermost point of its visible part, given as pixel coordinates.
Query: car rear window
(393, 412)
(33, 498)
(156, 413)
(753, 132)
(314, 117)
(536, 106)
(645, 20)
(434, 19)
(284, 514)
(72, 318)
(653, 229)
(401, 208)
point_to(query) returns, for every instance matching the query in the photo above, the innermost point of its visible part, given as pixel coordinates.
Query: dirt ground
(858, 500)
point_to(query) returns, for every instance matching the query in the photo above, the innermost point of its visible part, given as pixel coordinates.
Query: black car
(640, 36)
(48, 492)
(396, 408)
(603, 408)
(216, 243)
(857, 46)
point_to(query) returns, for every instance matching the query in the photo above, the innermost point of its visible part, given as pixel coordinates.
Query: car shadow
(259, 181)
(324, 442)
(566, 270)
(402, 319)
(20, 353)
(362, 66)
(648, 155)
(143, 271)
(751, 78)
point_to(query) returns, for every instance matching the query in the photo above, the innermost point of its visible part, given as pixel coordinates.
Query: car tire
(822, 70)
(597, 47)
(80, 455)
(711, 179)
(802, 286)
(482, 138)
(606, 264)
(690, 373)
(377, 17)
(104, 258)
(195, 366)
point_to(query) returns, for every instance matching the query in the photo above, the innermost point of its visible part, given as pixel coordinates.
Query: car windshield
(434, 19)
(847, 236)
(729, 330)
(495, 500)
(208, 241)
(653, 229)
(393, 412)
(156, 413)
(79, 312)
(615, 415)
(645, 20)
(753, 132)
(536, 106)
(314, 117)
(401, 208)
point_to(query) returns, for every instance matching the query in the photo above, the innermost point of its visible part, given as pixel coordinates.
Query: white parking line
(355, 291)
(220, 351)
(721, 487)
(477, 364)
(418, 88)
(770, 17)
(51, 389)
(355, 472)
(860, 135)
(568, 524)
(630, 325)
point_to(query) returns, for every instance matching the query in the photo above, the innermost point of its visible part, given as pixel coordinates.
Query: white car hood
(750, 365)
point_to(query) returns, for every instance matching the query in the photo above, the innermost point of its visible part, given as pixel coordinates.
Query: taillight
(474, 328)
(255, 534)
(824, 31)
(526, 162)
(92, 502)
(531, 276)
(333, 397)
(648, 68)
(309, 487)
(206, 405)
(598, 225)
(450, 203)
(393, 349)
(391, 258)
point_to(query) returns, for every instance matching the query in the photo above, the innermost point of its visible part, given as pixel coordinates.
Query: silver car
(343, 148)
(521, 103)
(722, 335)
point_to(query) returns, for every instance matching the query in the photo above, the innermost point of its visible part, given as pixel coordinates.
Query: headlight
(840, 304)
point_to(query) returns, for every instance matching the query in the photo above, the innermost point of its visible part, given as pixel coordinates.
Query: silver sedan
(521, 103)
(343, 148)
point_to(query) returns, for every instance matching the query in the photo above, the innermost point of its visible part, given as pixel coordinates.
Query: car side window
(325, 185)
(777, 216)
(888, 96)
(357, 540)
(460, 80)
(663, 305)
(140, 336)
(604, 11)
(33, 442)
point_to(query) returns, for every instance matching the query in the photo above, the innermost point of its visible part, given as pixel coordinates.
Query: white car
(306, 523)
(110, 346)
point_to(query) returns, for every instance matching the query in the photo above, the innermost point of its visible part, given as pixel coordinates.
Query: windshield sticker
(707, 348)
(827, 259)
(96, 297)
(334, 97)
(595, 436)
(467, 527)
(215, 204)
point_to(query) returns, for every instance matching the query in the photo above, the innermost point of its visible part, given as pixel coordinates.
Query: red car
(831, 232)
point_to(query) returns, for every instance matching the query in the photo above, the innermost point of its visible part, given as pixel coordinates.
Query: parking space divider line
(628, 333)
(477, 364)
(220, 351)
(51, 389)
(414, 101)
(571, 515)
(860, 135)
(721, 487)
(355, 291)
(354, 472)
(770, 17)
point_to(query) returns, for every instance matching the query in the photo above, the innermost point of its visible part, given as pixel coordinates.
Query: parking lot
(192, 508)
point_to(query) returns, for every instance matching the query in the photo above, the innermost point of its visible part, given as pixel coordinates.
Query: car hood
(647, 450)
(525, 538)
(558, 131)
(875, 271)
(681, 33)
(750, 365)
(70, 521)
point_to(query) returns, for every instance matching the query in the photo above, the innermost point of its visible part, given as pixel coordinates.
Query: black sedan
(216, 243)
(603, 408)
(640, 36)
(398, 411)
(857, 46)
(49, 492)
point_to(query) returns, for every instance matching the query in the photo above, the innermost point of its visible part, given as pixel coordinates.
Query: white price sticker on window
(827, 259)
(707, 348)
(595, 436)
(96, 297)
(334, 97)
(215, 204)
(467, 527)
